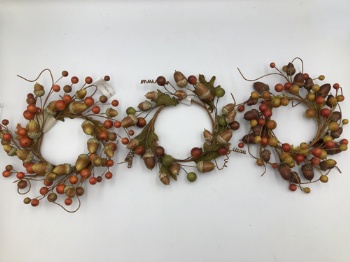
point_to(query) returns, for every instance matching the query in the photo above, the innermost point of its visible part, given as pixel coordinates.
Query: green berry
(167, 160)
(222, 121)
(131, 111)
(219, 92)
(191, 176)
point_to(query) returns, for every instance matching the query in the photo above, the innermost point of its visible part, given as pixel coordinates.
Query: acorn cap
(39, 90)
(230, 118)
(205, 166)
(153, 95)
(260, 87)
(33, 129)
(224, 137)
(290, 69)
(324, 90)
(51, 108)
(133, 143)
(181, 94)
(129, 121)
(180, 79)
(227, 108)
(265, 155)
(81, 93)
(208, 137)
(145, 105)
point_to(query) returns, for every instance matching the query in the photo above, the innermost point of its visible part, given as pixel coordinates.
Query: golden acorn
(231, 116)
(145, 105)
(92, 145)
(50, 176)
(205, 166)
(204, 92)
(208, 137)
(133, 143)
(153, 95)
(88, 127)
(110, 112)
(174, 169)
(82, 162)
(63, 169)
(227, 108)
(181, 94)
(224, 137)
(129, 121)
(149, 159)
(39, 90)
(77, 107)
(109, 151)
(164, 178)
(81, 93)
(51, 108)
(7, 148)
(42, 168)
(33, 129)
(180, 79)
(25, 155)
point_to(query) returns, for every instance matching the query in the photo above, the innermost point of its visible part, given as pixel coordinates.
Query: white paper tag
(105, 88)
(188, 100)
(50, 121)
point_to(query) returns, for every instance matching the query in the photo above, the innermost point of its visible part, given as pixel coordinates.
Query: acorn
(129, 121)
(335, 116)
(133, 143)
(327, 164)
(149, 159)
(265, 155)
(81, 93)
(260, 87)
(248, 139)
(180, 79)
(227, 108)
(295, 178)
(290, 69)
(308, 84)
(181, 94)
(337, 134)
(153, 95)
(205, 166)
(110, 112)
(69, 191)
(63, 169)
(92, 145)
(51, 108)
(112, 136)
(33, 129)
(257, 130)
(331, 101)
(285, 171)
(299, 79)
(109, 151)
(145, 105)
(251, 114)
(50, 176)
(82, 162)
(231, 116)
(77, 107)
(42, 168)
(25, 155)
(174, 169)
(308, 171)
(252, 101)
(204, 92)
(324, 90)
(88, 127)
(208, 137)
(7, 148)
(164, 178)
(39, 90)
(224, 137)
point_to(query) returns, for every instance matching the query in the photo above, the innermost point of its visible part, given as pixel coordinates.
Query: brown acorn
(82, 162)
(308, 171)
(153, 95)
(224, 137)
(205, 166)
(133, 143)
(39, 90)
(50, 176)
(251, 114)
(335, 150)
(110, 112)
(335, 116)
(227, 108)
(181, 94)
(81, 93)
(129, 121)
(33, 129)
(299, 79)
(149, 159)
(252, 101)
(88, 127)
(164, 178)
(285, 171)
(180, 79)
(290, 69)
(248, 139)
(257, 130)
(337, 134)
(295, 178)
(42, 168)
(328, 164)
(208, 137)
(63, 169)
(51, 108)
(204, 92)
(92, 145)
(231, 116)
(260, 87)
(265, 155)
(25, 155)
(77, 107)
(109, 151)
(324, 90)
(308, 83)
(145, 105)
(174, 169)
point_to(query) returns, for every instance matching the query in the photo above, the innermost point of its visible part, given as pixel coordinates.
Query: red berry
(336, 86)
(60, 188)
(31, 108)
(60, 104)
(110, 162)
(192, 79)
(261, 122)
(115, 103)
(88, 80)
(117, 124)
(96, 109)
(267, 113)
(286, 147)
(75, 80)
(125, 140)
(325, 112)
(141, 122)
(240, 144)
(27, 115)
(263, 107)
(139, 150)
(92, 180)
(34, 202)
(240, 108)
(279, 88)
(108, 123)
(108, 175)
(319, 100)
(196, 152)
(299, 158)
(344, 141)
(89, 101)
(222, 151)
(44, 190)
(272, 65)
(329, 144)
(56, 88)
(287, 86)
(68, 201)
(317, 152)
(25, 141)
(293, 187)
(20, 175)
(67, 99)
(6, 173)
(7, 136)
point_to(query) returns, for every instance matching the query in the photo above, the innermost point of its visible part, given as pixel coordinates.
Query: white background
(229, 215)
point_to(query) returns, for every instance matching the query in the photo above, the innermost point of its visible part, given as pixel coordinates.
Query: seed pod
(231, 116)
(63, 169)
(227, 108)
(69, 191)
(204, 92)
(290, 69)
(180, 79)
(224, 137)
(208, 137)
(337, 134)
(174, 169)
(153, 95)
(88, 127)
(92, 145)
(299, 79)
(260, 87)
(82, 162)
(248, 139)
(81, 93)
(33, 129)
(335, 116)
(285, 171)
(149, 159)
(265, 155)
(50, 176)
(25, 155)
(110, 112)
(145, 105)
(42, 168)
(252, 101)
(129, 121)
(324, 90)
(308, 172)
(308, 83)
(77, 107)
(251, 114)
(39, 90)
(51, 108)
(133, 143)
(181, 94)
(164, 178)
(205, 166)
(109, 151)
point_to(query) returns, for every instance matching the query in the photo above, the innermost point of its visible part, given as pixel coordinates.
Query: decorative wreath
(321, 105)
(200, 92)
(42, 112)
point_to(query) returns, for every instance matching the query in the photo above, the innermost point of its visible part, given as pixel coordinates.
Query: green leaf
(165, 100)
